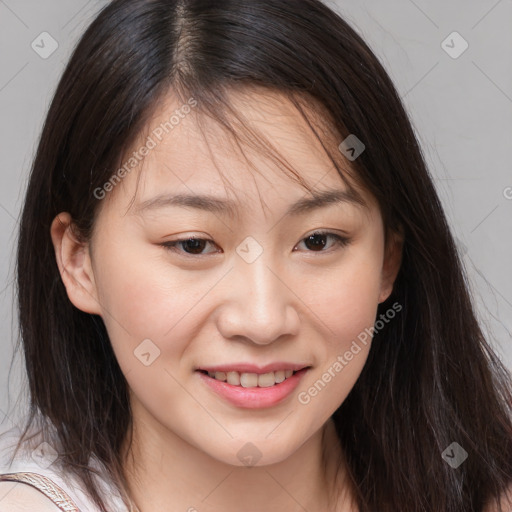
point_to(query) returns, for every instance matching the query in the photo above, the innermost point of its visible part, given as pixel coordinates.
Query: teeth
(234, 378)
(252, 380)
(266, 380)
(248, 380)
(279, 376)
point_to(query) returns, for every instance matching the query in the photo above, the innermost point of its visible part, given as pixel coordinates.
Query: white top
(39, 458)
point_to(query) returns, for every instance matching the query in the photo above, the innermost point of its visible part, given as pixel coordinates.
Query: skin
(294, 303)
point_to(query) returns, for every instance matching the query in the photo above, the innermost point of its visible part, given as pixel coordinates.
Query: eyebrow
(216, 205)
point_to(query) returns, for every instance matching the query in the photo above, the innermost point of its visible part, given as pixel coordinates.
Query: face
(250, 285)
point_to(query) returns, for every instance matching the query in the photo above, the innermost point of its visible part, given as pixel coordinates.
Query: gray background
(461, 109)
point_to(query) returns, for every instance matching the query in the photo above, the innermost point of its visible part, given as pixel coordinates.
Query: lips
(251, 386)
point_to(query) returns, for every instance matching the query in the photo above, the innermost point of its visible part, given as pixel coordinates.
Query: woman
(203, 331)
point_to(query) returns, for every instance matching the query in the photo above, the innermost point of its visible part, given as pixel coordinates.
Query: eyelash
(340, 241)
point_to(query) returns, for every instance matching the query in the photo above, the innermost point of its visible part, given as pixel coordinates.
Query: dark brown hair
(431, 377)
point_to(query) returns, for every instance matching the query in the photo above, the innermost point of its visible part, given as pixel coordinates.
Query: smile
(252, 380)
(251, 390)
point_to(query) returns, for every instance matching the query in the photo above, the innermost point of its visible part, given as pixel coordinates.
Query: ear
(391, 264)
(74, 262)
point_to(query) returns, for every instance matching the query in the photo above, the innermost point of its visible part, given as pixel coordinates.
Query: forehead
(192, 154)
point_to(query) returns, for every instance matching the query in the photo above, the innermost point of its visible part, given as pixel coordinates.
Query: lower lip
(254, 398)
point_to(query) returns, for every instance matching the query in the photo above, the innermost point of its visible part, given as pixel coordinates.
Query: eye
(317, 241)
(191, 245)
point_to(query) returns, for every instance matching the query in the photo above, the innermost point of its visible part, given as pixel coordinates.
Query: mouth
(251, 380)
(251, 376)
(253, 389)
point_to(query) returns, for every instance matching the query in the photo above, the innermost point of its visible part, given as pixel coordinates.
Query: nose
(258, 303)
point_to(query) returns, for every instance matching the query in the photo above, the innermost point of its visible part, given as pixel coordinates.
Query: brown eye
(191, 245)
(317, 241)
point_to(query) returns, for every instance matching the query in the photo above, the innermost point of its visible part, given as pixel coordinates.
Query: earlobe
(74, 263)
(391, 264)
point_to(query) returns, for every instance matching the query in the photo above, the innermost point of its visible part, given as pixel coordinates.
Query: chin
(257, 453)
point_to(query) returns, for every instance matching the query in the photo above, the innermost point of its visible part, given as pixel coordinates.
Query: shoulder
(20, 497)
(32, 465)
(506, 502)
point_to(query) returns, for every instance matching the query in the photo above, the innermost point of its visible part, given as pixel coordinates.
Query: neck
(172, 474)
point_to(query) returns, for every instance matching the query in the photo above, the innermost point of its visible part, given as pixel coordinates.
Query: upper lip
(252, 368)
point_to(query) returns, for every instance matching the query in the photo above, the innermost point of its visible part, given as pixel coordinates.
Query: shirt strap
(49, 488)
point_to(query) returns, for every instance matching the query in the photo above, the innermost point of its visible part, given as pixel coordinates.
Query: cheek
(347, 301)
(144, 299)
(347, 305)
